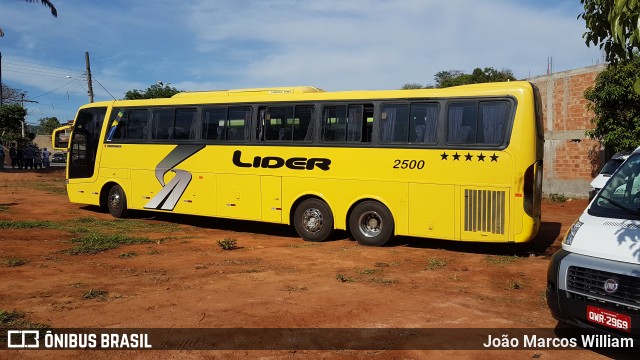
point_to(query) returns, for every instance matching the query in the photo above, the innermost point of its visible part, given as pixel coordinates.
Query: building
(571, 160)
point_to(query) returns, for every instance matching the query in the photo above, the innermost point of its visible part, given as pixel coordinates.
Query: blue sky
(226, 44)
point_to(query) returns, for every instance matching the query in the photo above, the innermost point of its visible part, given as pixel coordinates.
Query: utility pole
(89, 83)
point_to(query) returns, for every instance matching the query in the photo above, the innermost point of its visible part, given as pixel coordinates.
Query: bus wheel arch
(114, 200)
(370, 222)
(312, 218)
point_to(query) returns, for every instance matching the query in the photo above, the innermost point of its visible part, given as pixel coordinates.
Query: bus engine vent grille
(484, 211)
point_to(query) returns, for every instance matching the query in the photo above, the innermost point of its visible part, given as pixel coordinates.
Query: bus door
(84, 142)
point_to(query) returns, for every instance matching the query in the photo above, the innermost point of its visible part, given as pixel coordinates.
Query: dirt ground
(273, 279)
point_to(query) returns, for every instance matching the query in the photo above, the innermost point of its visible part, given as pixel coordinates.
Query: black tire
(371, 223)
(313, 220)
(117, 202)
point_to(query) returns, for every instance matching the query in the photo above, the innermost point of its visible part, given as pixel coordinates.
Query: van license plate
(609, 318)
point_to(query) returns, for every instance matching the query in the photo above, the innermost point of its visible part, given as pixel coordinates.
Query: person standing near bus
(1, 157)
(20, 157)
(45, 158)
(29, 155)
(13, 154)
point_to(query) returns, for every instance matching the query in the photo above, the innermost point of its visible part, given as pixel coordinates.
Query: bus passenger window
(494, 117)
(482, 123)
(424, 120)
(342, 123)
(226, 123)
(462, 123)
(213, 123)
(288, 123)
(394, 123)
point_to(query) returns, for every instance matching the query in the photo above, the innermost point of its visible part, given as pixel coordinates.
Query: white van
(593, 282)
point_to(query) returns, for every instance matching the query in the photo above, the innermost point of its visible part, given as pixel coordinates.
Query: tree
(154, 91)
(46, 125)
(616, 107)
(46, 3)
(11, 118)
(457, 77)
(11, 95)
(613, 25)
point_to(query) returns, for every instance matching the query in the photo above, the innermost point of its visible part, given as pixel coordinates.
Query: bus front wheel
(313, 220)
(117, 202)
(371, 223)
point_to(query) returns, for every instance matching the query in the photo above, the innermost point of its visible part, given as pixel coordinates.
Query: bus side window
(423, 121)
(462, 123)
(184, 128)
(394, 123)
(493, 119)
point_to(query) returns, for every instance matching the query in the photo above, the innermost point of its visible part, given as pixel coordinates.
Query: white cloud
(332, 44)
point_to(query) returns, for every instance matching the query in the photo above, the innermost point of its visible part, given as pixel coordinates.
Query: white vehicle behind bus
(593, 282)
(607, 170)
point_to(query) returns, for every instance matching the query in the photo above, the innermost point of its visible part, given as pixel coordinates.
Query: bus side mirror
(60, 138)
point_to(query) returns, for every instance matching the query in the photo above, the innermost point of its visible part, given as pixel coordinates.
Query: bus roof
(310, 93)
(250, 91)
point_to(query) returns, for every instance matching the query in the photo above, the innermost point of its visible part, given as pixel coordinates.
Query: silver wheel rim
(114, 201)
(312, 220)
(370, 224)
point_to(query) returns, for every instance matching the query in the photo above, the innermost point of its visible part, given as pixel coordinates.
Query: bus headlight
(572, 232)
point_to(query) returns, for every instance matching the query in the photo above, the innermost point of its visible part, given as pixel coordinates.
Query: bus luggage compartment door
(431, 211)
(271, 188)
(238, 196)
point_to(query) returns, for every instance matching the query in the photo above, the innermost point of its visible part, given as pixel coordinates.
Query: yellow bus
(461, 163)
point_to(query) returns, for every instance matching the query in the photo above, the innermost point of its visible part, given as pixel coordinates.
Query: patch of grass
(303, 245)
(290, 288)
(101, 295)
(13, 261)
(123, 225)
(434, 263)
(128, 254)
(4, 208)
(57, 187)
(514, 285)
(228, 244)
(95, 243)
(15, 320)
(380, 280)
(345, 278)
(542, 299)
(27, 224)
(559, 198)
(368, 271)
(501, 260)
(169, 238)
(153, 252)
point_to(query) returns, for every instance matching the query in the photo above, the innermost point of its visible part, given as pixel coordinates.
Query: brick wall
(571, 160)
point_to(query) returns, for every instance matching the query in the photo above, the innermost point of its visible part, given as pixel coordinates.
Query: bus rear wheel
(371, 223)
(117, 202)
(313, 220)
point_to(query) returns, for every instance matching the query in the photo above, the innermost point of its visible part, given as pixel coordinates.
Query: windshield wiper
(616, 204)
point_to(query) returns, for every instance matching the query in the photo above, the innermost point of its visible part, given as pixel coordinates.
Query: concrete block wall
(571, 160)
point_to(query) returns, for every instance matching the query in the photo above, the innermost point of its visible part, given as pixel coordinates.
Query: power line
(34, 64)
(94, 78)
(49, 92)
